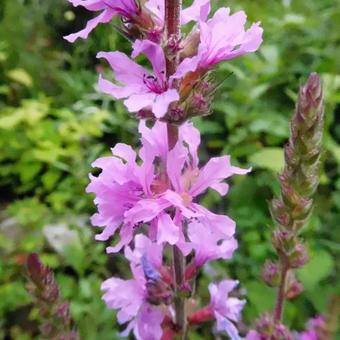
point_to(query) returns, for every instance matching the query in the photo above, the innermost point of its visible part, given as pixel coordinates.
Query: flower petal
(167, 230)
(102, 18)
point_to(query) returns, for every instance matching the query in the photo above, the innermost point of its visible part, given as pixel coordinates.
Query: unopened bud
(299, 256)
(202, 315)
(190, 45)
(267, 329)
(295, 288)
(271, 274)
(283, 241)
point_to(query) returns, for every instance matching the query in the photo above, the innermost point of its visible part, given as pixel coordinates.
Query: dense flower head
(131, 297)
(227, 310)
(150, 196)
(130, 193)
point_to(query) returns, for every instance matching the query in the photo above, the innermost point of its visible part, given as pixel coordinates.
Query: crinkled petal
(102, 18)
(162, 102)
(224, 325)
(149, 320)
(155, 54)
(126, 236)
(90, 5)
(137, 102)
(216, 170)
(191, 136)
(174, 165)
(186, 66)
(125, 152)
(167, 231)
(145, 210)
(116, 91)
(126, 70)
(198, 11)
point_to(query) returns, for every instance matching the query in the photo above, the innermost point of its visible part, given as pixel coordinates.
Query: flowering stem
(177, 256)
(281, 294)
(173, 30)
(173, 33)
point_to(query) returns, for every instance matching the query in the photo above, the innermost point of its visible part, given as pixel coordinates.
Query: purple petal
(215, 171)
(174, 165)
(167, 230)
(162, 102)
(102, 18)
(137, 102)
(198, 11)
(149, 322)
(186, 66)
(126, 70)
(224, 325)
(155, 54)
(90, 5)
(125, 152)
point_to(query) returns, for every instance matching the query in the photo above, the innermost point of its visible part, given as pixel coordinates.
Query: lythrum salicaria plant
(147, 199)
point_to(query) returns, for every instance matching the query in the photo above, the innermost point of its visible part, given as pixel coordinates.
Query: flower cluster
(147, 201)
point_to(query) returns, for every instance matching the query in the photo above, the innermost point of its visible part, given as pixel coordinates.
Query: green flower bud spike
(298, 181)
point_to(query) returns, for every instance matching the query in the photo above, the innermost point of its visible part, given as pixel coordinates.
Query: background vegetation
(53, 124)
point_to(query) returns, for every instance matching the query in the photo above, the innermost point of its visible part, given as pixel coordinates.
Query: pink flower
(130, 297)
(109, 8)
(149, 18)
(315, 329)
(226, 309)
(129, 194)
(217, 243)
(223, 37)
(142, 89)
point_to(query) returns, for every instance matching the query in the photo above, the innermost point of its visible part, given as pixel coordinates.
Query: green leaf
(20, 76)
(320, 266)
(268, 158)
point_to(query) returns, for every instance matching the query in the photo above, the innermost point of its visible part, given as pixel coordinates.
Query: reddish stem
(281, 293)
(173, 33)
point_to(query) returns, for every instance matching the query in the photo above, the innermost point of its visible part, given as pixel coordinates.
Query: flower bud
(267, 330)
(271, 274)
(295, 288)
(299, 256)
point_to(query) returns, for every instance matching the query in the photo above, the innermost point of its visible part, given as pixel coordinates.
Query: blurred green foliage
(53, 124)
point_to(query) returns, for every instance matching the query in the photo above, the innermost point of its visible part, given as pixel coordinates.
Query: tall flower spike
(300, 176)
(298, 181)
(53, 311)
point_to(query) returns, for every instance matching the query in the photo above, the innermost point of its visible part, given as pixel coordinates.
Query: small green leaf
(268, 158)
(320, 266)
(20, 76)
